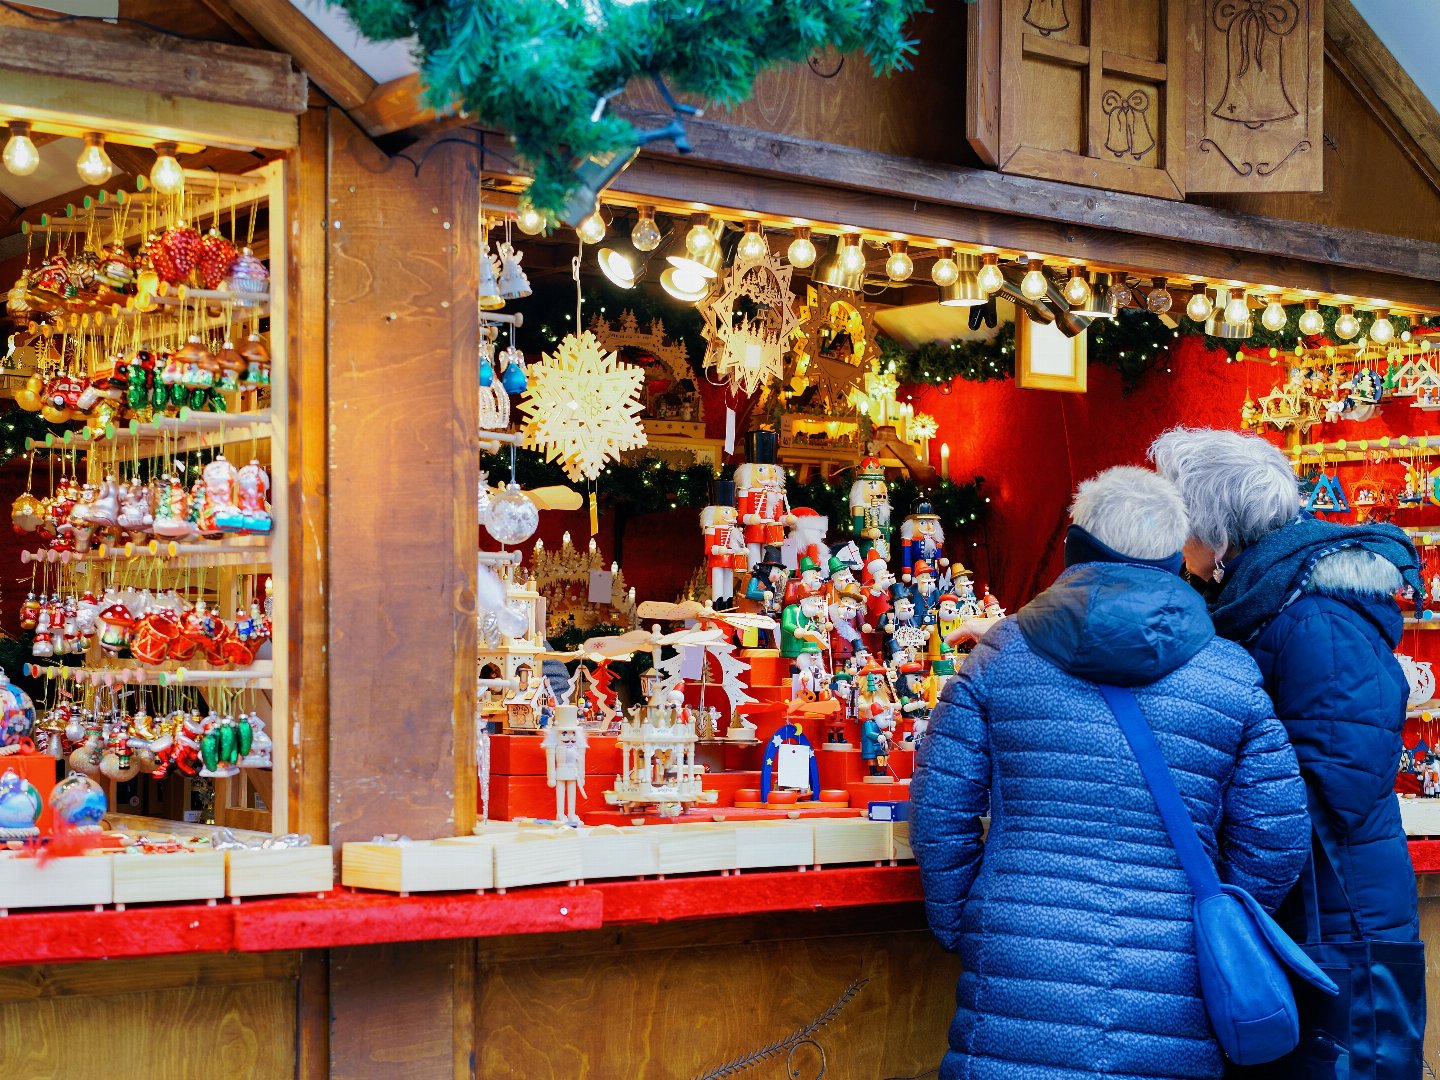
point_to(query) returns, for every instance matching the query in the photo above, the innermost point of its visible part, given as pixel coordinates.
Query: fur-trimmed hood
(1354, 571)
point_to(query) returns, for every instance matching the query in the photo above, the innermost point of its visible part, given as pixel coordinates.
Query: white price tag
(793, 765)
(729, 431)
(601, 586)
(692, 661)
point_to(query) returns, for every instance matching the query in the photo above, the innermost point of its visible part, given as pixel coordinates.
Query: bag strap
(1323, 863)
(1178, 823)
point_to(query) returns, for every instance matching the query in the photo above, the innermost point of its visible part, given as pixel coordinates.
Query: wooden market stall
(373, 331)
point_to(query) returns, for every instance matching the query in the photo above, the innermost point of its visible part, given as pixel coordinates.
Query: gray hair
(1237, 488)
(1134, 511)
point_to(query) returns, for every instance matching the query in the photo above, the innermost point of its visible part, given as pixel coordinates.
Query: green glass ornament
(210, 749)
(228, 742)
(247, 736)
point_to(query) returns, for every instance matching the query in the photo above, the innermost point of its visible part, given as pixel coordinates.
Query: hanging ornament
(582, 407)
(176, 253)
(835, 349)
(512, 370)
(489, 290)
(217, 254)
(247, 278)
(750, 323)
(487, 367)
(512, 517)
(512, 284)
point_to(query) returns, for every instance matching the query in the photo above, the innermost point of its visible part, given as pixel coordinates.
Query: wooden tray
(273, 871)
(537, 857)
(74, 881)
(611, 851)
(181, 875)
(774, 843)
(696, 848)
(422, 866)
(851, 840)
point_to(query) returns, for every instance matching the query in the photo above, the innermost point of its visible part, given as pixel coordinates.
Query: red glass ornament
(217, 255)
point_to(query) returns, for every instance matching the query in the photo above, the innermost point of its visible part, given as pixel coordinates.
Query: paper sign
(692, 661)
(729, 431)
(794, 767)
(601, 585)
(790, 553)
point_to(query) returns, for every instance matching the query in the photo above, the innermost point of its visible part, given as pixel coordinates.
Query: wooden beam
(398, 105)
(1350, 39)
(222, 10)
(157, 64)
(287, 28)
(806, 198)
(825, 165)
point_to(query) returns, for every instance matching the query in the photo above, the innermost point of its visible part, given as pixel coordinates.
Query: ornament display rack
(250, 418)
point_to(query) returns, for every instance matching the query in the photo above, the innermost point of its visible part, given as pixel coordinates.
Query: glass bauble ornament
(512, 371)
(25, 513)
(248, 278)
(513, 518)
(17, 712)
(487, 369)
(78, 803)
(117, 269)
(217, 255)
(20, 806)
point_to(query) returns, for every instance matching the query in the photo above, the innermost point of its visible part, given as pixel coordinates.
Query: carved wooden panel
(1092, 92)
(1256, 95)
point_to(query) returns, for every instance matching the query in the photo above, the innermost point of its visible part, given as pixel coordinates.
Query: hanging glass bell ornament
(513, 284)
(513, 518)
(487, 367)
(489, 287)
(512, 371)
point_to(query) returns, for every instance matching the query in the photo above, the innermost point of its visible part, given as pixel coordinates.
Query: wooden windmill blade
(619, 646)
(555, 497)
(696, 636)
(658, 609)
(745, 620)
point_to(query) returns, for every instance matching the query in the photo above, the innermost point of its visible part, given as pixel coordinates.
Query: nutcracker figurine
(724, 550)
(841, 575)
(925, 591)
(910, 689)
(947, 621)
(808, 583)
(875, 739)
(844, 611)
(803, 628)
(905, 633)
(808, 537)
(877, 583)
(922, 537)
(565, 762)
(870, 507)
(764, 509)
(765, 589)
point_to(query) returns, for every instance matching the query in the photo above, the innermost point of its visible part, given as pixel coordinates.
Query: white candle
(945, 461)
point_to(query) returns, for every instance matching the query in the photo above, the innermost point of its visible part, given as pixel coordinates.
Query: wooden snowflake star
(582, 406)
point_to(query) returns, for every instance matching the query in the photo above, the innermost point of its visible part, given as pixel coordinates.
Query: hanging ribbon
(1255, 18)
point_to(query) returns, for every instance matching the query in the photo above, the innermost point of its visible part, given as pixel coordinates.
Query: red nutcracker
(763, 507)
(724, 551)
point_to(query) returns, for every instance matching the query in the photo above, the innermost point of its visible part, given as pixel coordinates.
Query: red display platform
(347, 917)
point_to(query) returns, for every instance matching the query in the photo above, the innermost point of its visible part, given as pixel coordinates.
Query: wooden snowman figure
(565, 762)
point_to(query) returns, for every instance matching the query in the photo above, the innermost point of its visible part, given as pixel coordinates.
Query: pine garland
(958, 504)
(540, 68)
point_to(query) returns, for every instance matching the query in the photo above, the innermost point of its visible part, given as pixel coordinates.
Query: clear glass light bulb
(1273, 317)
(989, 278)
(20, 157)
(93, 164)
(1077, 290)
(801, 252)
(529, 220)
(166, 174)
(1199, 307)
(1237, 310)
(1033, 285)
(899, 266)
(646, 234)
(945, 272)
(1312, 322)
(752, 246)
(592, 229)
(1381, 330)
(1347, 326)
(699, 240)
(852, 259)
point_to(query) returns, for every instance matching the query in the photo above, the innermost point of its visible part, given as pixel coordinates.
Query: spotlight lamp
(945, 270)
(166, 174)
(1382, 330)
(1347, 326)
(899, 266)
(1034, 285)
(1077, 289)
(989, 276)
(93, 164)
(1312, 323)
(646, 234)
(1199, 305)
(801, 252)
(21, 158)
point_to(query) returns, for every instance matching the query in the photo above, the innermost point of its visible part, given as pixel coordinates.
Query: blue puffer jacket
(1073, 920)
(1328, 663)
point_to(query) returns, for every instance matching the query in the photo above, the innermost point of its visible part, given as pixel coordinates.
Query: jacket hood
(1363, 565)
(1364, 582)
(1118, 623)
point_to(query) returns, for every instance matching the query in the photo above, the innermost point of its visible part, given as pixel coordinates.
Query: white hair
(1134, 511)
(1237, 488)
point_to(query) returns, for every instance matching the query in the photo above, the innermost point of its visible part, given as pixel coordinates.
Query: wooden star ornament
(750, 323)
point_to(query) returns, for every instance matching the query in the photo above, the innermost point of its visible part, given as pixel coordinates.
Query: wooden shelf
(258, 676)
(232, 552)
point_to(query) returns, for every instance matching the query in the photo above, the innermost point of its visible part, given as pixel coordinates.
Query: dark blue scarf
(1274, 570)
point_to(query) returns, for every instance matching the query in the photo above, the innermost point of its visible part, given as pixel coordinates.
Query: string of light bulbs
(21, 157)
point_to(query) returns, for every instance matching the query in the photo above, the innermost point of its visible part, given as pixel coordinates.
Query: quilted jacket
(1073, 919)
(1328, 663)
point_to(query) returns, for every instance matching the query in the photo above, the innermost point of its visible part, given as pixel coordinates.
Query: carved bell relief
(1254, 30)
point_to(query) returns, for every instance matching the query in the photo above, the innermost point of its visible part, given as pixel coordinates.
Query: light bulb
(852, 256)
(699, 239)
(1199, 307)
(945, 270)
(1237, 310)
(646, 235)
(801, 252)
(529, 220)
(1381, 329)
(93, 164)
(166, 174)
(1159, 299)
(1347, 326)
(989, 278)
(20, 157)
(1273, 317)
(1077, 289)
(752, 246)
(899, 266)
(1033, 285)
(1311, 321)
(592, 229)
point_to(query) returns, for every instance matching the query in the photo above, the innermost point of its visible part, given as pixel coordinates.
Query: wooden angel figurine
(565, 762)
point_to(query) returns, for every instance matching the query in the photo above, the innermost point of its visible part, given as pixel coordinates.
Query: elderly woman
(1315, 604)
(1073, 920)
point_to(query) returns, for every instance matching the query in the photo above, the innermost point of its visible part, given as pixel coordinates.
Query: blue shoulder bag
(1242, 953)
